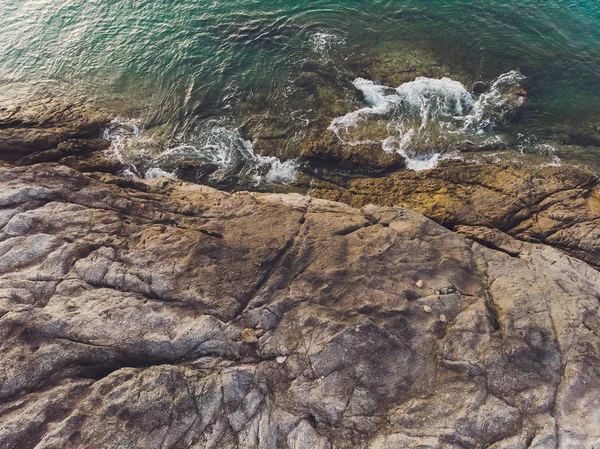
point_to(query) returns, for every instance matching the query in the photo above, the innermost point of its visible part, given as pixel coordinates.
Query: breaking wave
(420, 117)
(214, 145)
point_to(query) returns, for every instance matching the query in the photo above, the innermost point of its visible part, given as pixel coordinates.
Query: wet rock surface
(330, 154)
(281, 125)
(161, 314)
(48, 130)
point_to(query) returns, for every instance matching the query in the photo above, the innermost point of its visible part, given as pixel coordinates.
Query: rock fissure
(146, 324)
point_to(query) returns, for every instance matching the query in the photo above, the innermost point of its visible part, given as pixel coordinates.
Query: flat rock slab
(161, 314)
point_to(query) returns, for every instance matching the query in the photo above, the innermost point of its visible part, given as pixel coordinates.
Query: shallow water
(189, 64)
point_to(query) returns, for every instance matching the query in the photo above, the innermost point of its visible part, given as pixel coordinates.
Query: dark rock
(73, 147)
(480, 87)
(193, 171)
(309, 81)
(331, 154)
(85, 155)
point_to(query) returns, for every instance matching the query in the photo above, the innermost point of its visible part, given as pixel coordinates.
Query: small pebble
(427, 309)
(259, 326)
(443, 318)
(281, 359)
(420, 283)
(249, 336)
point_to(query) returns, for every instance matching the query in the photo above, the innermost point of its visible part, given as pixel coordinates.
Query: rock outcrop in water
(161, 314)
(296, 125)
(46, 130)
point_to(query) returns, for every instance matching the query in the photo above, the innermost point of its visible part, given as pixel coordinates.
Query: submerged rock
(293, 121)
(278, 124)
(122, 310)
(396, 62)
(331, 154)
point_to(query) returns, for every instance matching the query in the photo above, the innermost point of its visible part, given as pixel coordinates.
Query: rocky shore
(365, 306)
(163, 314)
(557, 206)
(303, 226)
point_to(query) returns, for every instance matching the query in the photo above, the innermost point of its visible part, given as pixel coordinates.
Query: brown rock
(42, 125)
(559, 206)
(249, 336)
(120, 324)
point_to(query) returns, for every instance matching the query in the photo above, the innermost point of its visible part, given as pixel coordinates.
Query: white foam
(276, 170)
(482, 114)
(156, 172)
(212, 143)
(322, 42)
(128, 174)
(375, 96)
(121, 132)
(225, 147)
(549, 150)
(413, 112)
(556, 162)
(416, 162)
(279, 172)
(435, 98)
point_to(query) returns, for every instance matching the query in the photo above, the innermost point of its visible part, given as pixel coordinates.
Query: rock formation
(46, 130)
(161, 314)
(558, 206)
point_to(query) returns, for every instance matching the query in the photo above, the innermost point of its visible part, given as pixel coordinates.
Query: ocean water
(186, 67)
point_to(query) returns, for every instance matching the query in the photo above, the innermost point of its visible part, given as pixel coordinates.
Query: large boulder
(161, 314)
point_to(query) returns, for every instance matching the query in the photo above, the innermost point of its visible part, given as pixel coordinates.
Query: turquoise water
(185, 62)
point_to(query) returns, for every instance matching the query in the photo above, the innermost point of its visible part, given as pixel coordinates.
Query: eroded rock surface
(162, 314)
(47, 130)
(558, 206)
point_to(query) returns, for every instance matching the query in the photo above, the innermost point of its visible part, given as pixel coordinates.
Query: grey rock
(121, 311)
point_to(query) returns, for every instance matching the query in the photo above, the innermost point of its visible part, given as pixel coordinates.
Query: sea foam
(121, 132)
(322, 43)
(211, 143)
(425, 113)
